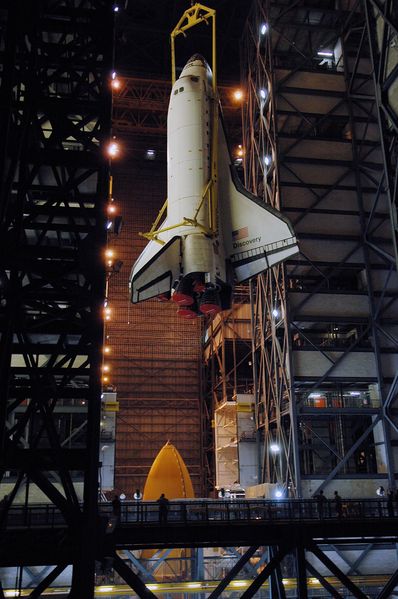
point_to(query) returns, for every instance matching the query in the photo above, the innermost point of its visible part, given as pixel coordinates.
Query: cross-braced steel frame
(320, 146)
(319, 143)
(55, 121)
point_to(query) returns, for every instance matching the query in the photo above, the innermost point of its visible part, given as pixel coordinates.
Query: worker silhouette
(163, 503)
(390, 503)
(338, 504)
(116, 507)
(4, 504)
(321, 504)
(137, 495)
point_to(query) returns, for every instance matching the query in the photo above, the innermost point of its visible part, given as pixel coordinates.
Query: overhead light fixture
(264, 28)
(238, 94)
(325, 53)
(150, 154)
(274, 448)
(275, 313)
(267, 160)
(278, 493)
(263, 93)
(113, 149)
(114, 225)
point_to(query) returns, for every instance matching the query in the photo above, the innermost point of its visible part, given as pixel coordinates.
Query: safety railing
(148, 513)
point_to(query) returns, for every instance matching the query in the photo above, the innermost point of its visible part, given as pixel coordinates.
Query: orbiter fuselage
(216, 232)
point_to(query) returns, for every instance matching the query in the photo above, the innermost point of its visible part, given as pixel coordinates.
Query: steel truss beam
(294, 559)
(54, 184)
(140, 114)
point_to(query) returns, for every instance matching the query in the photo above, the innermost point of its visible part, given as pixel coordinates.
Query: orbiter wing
(155, 270)
(255, 235)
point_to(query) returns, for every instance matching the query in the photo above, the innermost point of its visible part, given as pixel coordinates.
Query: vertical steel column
(55, 175)
(313, 150)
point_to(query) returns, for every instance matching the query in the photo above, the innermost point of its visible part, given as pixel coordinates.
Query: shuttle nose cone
(197, 58)
(194, 66)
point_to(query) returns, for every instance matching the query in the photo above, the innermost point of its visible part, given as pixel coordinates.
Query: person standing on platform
(163, 508)
(390, 503)
(321, 504)
(116, 508)
(138, 507)
(338, 503)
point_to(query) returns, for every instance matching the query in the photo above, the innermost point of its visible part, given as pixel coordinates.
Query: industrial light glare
(238, 94)
(326, 53)
(106, 368)
(116, 8)
(267, 160)
(115, 83)
(264, 28)
(11, 593)
(194, 585)
(108, 225)
(263, 93)
(152, 587)
(105, 589)
(355, 393)
(111, 209)
(275, 313)
(278, 494)
(109, 253)
(239, 583)
(274, 448)
(113, 149)
(107, 349)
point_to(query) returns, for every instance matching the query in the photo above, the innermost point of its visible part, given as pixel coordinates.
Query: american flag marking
(240, 234)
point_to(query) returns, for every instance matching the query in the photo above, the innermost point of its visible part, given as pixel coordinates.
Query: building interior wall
(155, 356)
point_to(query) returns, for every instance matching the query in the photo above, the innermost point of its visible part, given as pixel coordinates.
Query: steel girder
(313, 149)
(140, 114)
(54, 184)
(382, 33)
(295, 565)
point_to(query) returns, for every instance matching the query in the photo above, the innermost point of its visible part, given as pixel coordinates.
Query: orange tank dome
(168, 475)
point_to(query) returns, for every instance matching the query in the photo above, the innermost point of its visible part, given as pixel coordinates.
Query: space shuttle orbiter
(216, 232)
